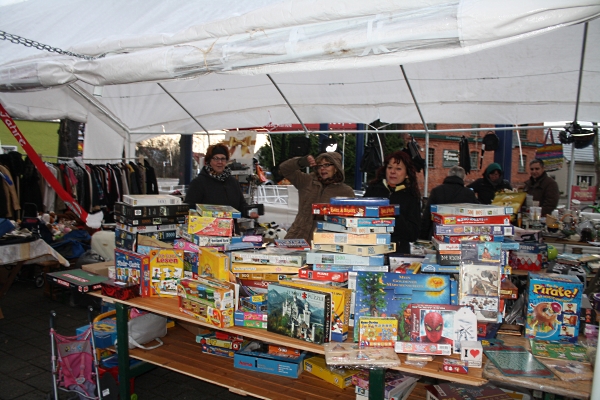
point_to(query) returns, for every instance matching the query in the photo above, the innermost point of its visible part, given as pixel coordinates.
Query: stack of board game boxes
(354, 236)
(144, 254)
(453, 223)
(255, 270)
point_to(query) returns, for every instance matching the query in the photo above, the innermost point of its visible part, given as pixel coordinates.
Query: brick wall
(439, 171)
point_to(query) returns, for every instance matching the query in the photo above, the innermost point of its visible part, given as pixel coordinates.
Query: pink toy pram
(74, 363)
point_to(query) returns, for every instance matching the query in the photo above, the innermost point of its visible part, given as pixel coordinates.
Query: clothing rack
(98, 160)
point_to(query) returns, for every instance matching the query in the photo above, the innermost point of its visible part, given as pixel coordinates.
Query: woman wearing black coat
(397, 180)
(215, 184)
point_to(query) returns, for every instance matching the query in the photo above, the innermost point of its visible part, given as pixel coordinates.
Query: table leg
(123, 349)
(4, 286)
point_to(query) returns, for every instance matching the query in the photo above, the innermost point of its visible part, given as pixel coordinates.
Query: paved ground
(25, 362)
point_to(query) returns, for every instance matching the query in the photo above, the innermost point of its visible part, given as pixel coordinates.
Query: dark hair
(537, 161)
(215, 149)
(411, 183)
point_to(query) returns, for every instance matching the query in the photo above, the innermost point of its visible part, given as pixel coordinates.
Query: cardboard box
(349, 238)
(100, 268)
(150, 199)
(355, 211)
(270, 255)
(341, 378)
(255, 359)
(343, 259)
(360, 222)
(209, 226)
(399, 291)
(502, 230)
(553, 307)
(467, 220)
(361, 230)
(356, 250)
(473, 210)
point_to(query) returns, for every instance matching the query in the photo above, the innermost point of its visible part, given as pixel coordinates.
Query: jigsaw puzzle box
(387, 294)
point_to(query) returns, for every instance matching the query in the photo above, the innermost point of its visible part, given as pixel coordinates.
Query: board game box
(465, 220)
(350, 238)
(480, 288)
(334, 276)
(360, 222)
(299, 313)
(270, 255)
(361, 230)
(355, 211)
(134, 268)
(150, 199)
(390, 294)
(360, 201)
(356, 250)
(166, 268)
(170, 210)
(474, 210)
(553, 307)
(377, 331)
(217, 211)
(501, 230)
(344, 259)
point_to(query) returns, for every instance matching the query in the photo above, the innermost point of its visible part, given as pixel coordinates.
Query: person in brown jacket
(324, 182)
(542, 187)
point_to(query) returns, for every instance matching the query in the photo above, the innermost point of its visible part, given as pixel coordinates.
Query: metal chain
(32, 43)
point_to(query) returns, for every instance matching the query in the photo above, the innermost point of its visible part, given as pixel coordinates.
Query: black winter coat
(486, 190)
(409, 220)
(204, 189)
(452, 191)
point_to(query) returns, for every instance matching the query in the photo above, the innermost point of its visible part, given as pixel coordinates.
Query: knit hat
(493, 167)
(215, 149)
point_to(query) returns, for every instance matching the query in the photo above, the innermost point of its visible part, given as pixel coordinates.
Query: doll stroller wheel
(39, 280)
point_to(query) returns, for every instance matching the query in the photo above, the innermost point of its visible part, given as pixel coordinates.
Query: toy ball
(552, 252)
(556, 307)
(275, 233)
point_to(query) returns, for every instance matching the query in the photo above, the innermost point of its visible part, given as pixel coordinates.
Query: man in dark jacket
(492, 182)
(543, 188)
(452, 191)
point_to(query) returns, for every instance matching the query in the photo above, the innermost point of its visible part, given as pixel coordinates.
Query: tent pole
(425, 188)
(291, 108)
(100, 107)
(184, 109)
(571, 176)
(288, 103)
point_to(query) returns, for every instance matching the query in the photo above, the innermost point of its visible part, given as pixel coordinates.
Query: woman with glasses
(324, 182)
(214, 184)
(396, 179)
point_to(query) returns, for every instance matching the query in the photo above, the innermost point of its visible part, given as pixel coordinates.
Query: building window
(585, 180)
(474, 161)
(431, 127)
(431, 158)
(523, 167)
(522, 133)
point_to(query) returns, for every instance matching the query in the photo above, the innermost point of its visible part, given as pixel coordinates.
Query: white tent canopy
(468, 61)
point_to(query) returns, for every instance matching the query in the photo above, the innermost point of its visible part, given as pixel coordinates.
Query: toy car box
(254, 358)
(553, 307)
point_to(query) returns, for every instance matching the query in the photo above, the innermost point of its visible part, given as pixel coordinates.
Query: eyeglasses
(323, 166)
(219, 159)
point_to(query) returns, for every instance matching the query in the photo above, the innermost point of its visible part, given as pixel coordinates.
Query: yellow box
(341, 378)
(209, 226)
(213, 264)
(340, 306)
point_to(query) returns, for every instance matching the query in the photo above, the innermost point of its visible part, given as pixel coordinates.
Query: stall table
(14, 256)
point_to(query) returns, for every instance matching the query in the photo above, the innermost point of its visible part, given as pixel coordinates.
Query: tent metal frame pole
(185, 109)
(288, 103)
(293, 110)
(426, 187)
(571, 176)
(334, 131)
(101, 108)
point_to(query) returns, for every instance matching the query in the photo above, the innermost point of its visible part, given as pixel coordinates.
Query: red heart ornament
(474, 353)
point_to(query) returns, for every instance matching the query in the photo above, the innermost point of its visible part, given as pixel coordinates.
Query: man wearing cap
(542, 187)
(492, 182)
(324, 182)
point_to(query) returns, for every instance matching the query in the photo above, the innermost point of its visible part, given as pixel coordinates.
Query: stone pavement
(25, 357)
